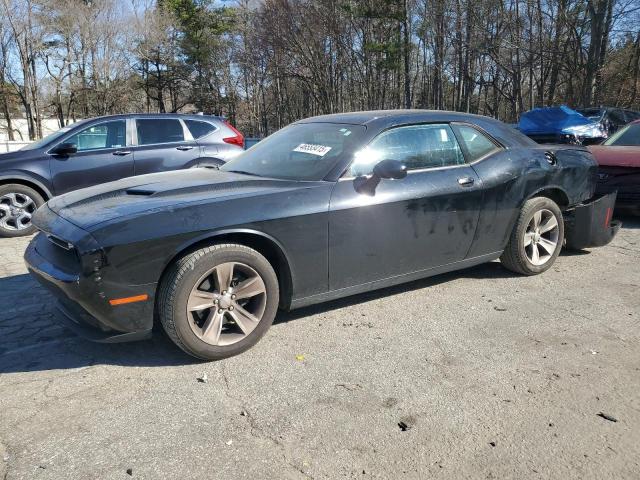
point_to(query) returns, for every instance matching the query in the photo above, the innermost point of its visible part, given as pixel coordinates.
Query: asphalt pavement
(474, 374)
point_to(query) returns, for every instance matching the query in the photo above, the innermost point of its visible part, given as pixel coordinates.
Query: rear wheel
(218, 301)
(537, 238)
(17, 205)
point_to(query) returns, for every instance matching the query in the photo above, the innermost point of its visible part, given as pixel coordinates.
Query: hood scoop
(141, 192)
(182, 190)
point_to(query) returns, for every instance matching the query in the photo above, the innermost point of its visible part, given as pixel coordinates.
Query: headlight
(587, 131)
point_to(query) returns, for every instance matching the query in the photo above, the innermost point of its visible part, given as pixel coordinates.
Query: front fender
(211, 236)
(28, 177)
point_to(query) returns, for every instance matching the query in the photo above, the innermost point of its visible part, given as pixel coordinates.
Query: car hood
(612, 156)
(552, 120)
(131, 196)
(17, 155)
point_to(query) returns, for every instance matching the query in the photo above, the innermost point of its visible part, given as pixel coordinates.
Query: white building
(21, 132)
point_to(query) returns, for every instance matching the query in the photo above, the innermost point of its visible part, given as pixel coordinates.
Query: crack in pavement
(4, 459)
(254, 427)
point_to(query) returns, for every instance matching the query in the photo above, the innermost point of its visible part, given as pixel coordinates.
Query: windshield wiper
(243, 172)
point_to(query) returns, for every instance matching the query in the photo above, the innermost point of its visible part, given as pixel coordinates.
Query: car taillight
(238, 139)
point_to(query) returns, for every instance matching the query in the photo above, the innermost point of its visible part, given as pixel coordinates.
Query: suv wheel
(17, 204)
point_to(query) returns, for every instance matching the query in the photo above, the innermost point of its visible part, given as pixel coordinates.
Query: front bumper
(84, 326)
(82, 298)
(590, 224)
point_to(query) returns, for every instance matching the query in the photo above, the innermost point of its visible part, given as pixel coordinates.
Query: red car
(619, 161)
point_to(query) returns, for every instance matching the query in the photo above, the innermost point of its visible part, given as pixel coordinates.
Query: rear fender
(207, 162)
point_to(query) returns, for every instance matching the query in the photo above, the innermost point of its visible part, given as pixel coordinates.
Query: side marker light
(122, 301)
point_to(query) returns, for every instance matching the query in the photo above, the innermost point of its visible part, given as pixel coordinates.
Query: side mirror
(65, 149)
(392, 169)
(387, 169)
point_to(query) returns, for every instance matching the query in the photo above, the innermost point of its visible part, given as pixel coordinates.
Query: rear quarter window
(504, 134)
(476, 143)
(199, 129)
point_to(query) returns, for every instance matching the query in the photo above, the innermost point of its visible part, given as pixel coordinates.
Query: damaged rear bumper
(590, 224)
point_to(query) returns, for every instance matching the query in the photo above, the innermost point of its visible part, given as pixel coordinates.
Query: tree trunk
(597, 10)
(406, 50)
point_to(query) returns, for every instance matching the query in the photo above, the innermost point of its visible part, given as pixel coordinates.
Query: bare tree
(26, 36)
(266, 64)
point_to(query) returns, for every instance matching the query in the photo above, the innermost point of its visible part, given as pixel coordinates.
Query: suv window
(199, 129)
(417, 146)
(103, 135)
(477, 144)
(159, 130)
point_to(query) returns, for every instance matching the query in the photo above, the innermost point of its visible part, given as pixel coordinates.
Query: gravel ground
(474, 374)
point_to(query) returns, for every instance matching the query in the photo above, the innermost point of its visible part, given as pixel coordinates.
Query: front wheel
(537, 238)
(17, 204)
(218, 301)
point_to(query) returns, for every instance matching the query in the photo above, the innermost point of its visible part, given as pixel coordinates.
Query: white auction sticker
(319, 150)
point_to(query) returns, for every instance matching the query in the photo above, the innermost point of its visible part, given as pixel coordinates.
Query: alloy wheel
(226, 304)
(16, 210)
(541, 237)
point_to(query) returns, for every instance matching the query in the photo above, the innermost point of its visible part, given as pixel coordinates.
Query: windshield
(303, 151)
(591, 113)
(626, 136)
(49, 138)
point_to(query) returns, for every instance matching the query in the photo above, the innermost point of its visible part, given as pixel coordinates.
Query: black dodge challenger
(327, 207)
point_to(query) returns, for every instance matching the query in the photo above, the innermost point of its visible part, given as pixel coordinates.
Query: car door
(425, 220)
(163, 144)
(103, 155)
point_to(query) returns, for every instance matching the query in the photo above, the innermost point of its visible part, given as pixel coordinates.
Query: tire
(521, 258)
(184, 306)
(16, 203)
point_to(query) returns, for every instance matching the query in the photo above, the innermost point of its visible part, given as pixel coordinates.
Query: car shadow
(31, 341)
(566, 252)
(481, 272)
(628, 220)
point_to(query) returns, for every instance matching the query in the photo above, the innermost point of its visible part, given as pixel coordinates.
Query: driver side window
(104, 135)
(417, 146)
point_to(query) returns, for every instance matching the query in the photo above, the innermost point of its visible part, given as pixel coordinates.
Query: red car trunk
(616, 156)
(619, 169)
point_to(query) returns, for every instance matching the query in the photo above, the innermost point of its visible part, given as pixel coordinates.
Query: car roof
(183, 116)
(393, 117)
(378, 120)
(604, 107)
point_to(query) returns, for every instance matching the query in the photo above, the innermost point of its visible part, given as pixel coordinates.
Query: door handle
(122, 153)
(184, 148)
(465, 181)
